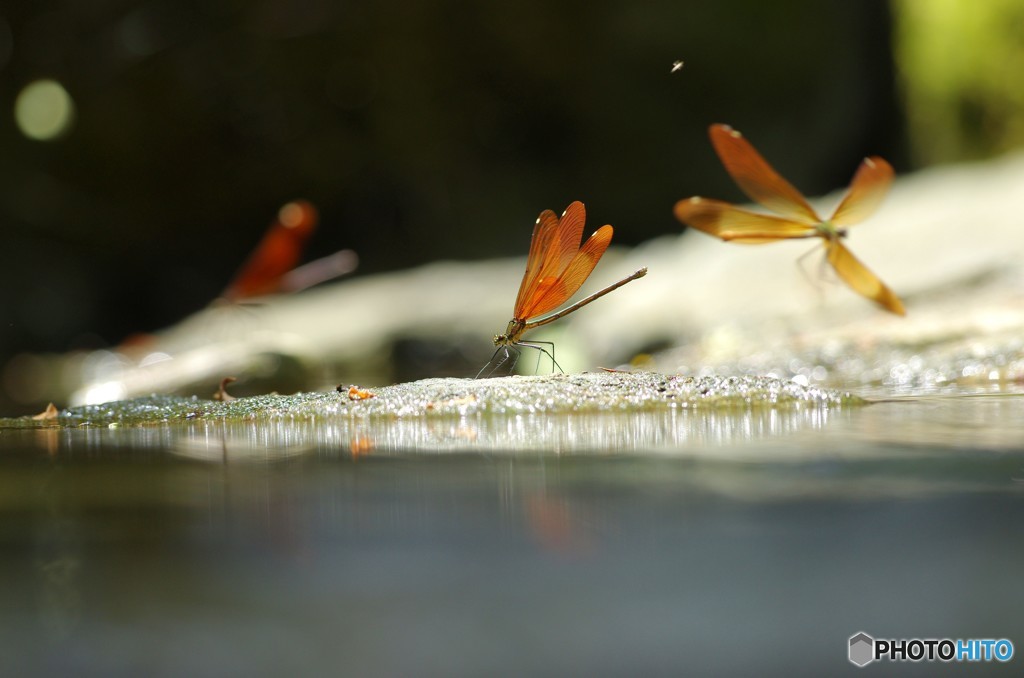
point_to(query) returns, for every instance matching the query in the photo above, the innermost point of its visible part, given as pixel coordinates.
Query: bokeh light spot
(44, 110)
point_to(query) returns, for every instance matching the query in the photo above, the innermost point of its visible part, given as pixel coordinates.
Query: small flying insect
(676, 66)
(556, 268)
(796, 219)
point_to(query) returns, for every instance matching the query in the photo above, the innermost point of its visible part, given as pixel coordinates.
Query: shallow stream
(721, 541)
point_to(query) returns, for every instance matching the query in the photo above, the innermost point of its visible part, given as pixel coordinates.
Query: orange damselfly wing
(794, 217)
(272, 268)
(276, 254)
(556, 267)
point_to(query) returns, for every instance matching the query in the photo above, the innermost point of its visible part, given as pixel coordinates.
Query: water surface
(709, 542)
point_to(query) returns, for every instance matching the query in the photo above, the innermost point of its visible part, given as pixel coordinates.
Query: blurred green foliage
(961, 65)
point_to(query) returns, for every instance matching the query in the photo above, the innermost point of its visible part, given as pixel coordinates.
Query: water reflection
(679, 432)
(294, 548)
(892, 427)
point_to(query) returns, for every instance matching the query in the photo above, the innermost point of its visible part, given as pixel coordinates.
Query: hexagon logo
(862, 649)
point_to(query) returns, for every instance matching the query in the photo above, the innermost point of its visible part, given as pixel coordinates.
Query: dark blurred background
(167, 133)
